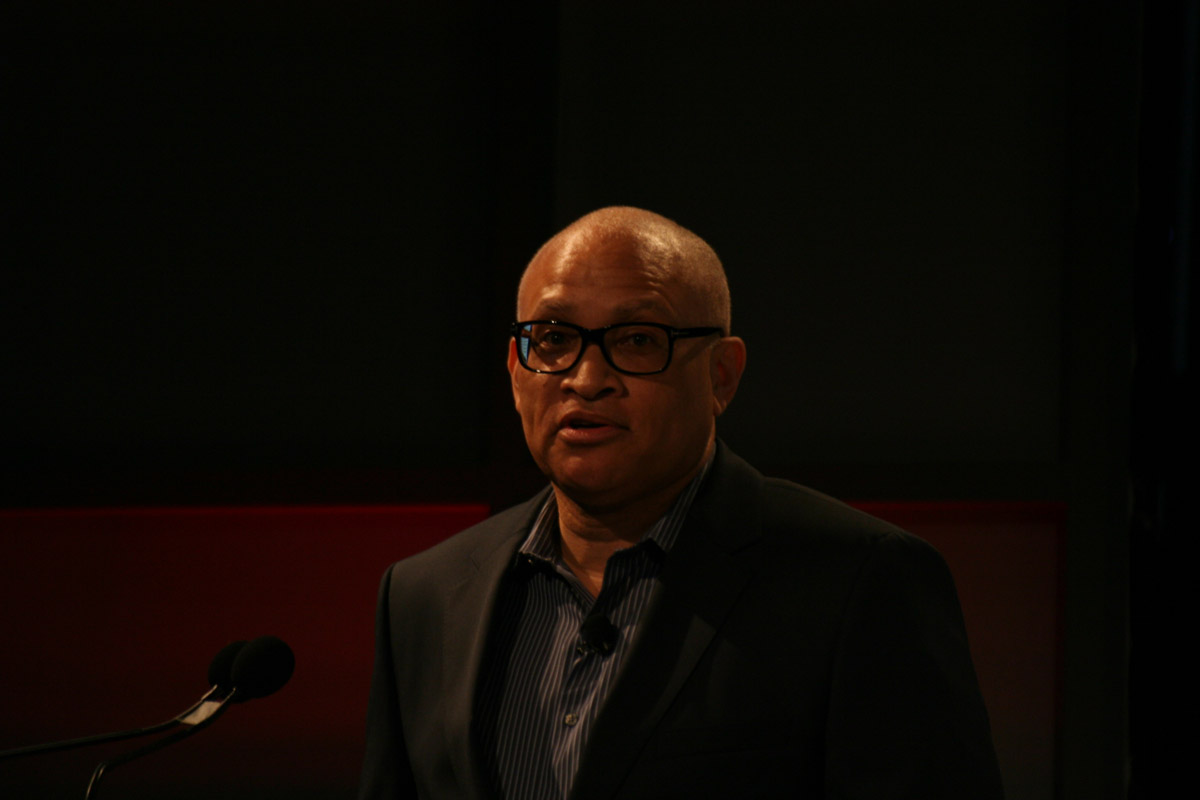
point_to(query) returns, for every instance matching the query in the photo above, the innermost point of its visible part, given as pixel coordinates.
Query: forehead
(621, 277)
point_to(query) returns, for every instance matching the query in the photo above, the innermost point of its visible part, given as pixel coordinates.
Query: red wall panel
(109, 618)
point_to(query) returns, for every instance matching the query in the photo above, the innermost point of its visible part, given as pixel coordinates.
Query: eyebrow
(646, 304)
(552, 308)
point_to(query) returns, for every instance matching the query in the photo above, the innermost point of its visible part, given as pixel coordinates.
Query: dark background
(260, 253)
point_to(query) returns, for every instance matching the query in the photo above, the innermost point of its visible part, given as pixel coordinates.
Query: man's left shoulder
(786, 504)
(779, 506)
(807, 518)
(800, 525)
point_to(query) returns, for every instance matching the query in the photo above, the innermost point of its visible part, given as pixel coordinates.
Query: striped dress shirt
(542, 682)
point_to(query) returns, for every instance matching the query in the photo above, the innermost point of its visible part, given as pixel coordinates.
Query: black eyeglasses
(634, 348)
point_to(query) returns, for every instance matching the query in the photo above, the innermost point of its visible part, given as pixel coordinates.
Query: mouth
(581, 420)
(587, 428)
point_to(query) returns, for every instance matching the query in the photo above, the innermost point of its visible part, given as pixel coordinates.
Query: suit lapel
(469, 607)
(700, 582)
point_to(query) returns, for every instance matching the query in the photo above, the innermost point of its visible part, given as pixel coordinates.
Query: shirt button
(570, 719)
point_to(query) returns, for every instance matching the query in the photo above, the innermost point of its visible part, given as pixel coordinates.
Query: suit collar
(472, 599)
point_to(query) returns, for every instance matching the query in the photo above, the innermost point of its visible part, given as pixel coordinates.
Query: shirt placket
(585, 667)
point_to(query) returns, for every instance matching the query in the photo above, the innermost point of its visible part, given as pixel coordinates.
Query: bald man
(662, 620)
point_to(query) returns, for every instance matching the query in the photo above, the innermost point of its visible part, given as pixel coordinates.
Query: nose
(592, 376)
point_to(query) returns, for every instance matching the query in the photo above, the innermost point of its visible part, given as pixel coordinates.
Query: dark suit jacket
(796, 648)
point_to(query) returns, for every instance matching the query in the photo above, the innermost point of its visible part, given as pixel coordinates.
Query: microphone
(260, 668)
(599, 634)
(219, 673)
(241, 671)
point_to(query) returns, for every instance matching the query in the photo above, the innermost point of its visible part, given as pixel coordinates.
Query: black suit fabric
(795, 648)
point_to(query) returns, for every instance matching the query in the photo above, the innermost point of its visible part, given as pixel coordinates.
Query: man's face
(605, 438)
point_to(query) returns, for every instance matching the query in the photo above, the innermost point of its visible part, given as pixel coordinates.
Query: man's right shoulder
(498, 536)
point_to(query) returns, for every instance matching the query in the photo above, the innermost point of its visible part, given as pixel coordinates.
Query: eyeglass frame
(596, 336)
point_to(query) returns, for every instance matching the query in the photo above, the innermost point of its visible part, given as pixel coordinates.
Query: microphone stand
(253, 669)
(196, 718)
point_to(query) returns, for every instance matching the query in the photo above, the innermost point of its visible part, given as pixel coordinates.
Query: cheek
(693, 399)
(530, 400)
(678, 412)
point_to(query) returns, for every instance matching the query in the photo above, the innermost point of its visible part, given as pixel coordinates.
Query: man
(663, 621)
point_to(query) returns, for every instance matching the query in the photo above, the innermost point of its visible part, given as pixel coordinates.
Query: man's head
(605, 438)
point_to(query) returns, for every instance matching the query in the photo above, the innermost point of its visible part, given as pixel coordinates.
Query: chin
(588, 484)
(580, 484)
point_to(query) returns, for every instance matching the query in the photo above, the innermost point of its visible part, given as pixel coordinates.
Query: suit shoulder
(795, 521)
(475, 542)
(786, 504)
(790, 509)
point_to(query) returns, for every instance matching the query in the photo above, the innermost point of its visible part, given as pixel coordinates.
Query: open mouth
(587, 428)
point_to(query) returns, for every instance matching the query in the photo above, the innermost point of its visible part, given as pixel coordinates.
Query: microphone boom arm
(185, 718)
(196, 718)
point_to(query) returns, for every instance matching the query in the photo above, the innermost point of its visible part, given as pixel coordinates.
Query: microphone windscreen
(262, 667)
(221, 669)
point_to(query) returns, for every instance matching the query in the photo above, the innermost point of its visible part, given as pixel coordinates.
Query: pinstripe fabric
(541, 686)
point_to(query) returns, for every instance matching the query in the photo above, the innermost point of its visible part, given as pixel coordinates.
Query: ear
(727, 362)
(514, 368)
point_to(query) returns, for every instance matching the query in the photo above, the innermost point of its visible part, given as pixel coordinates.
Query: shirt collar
(542, 542)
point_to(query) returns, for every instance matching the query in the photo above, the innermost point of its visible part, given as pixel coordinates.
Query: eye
(638, 339)
(553, 338)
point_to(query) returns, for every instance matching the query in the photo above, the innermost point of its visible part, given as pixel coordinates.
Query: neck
(590, 534)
